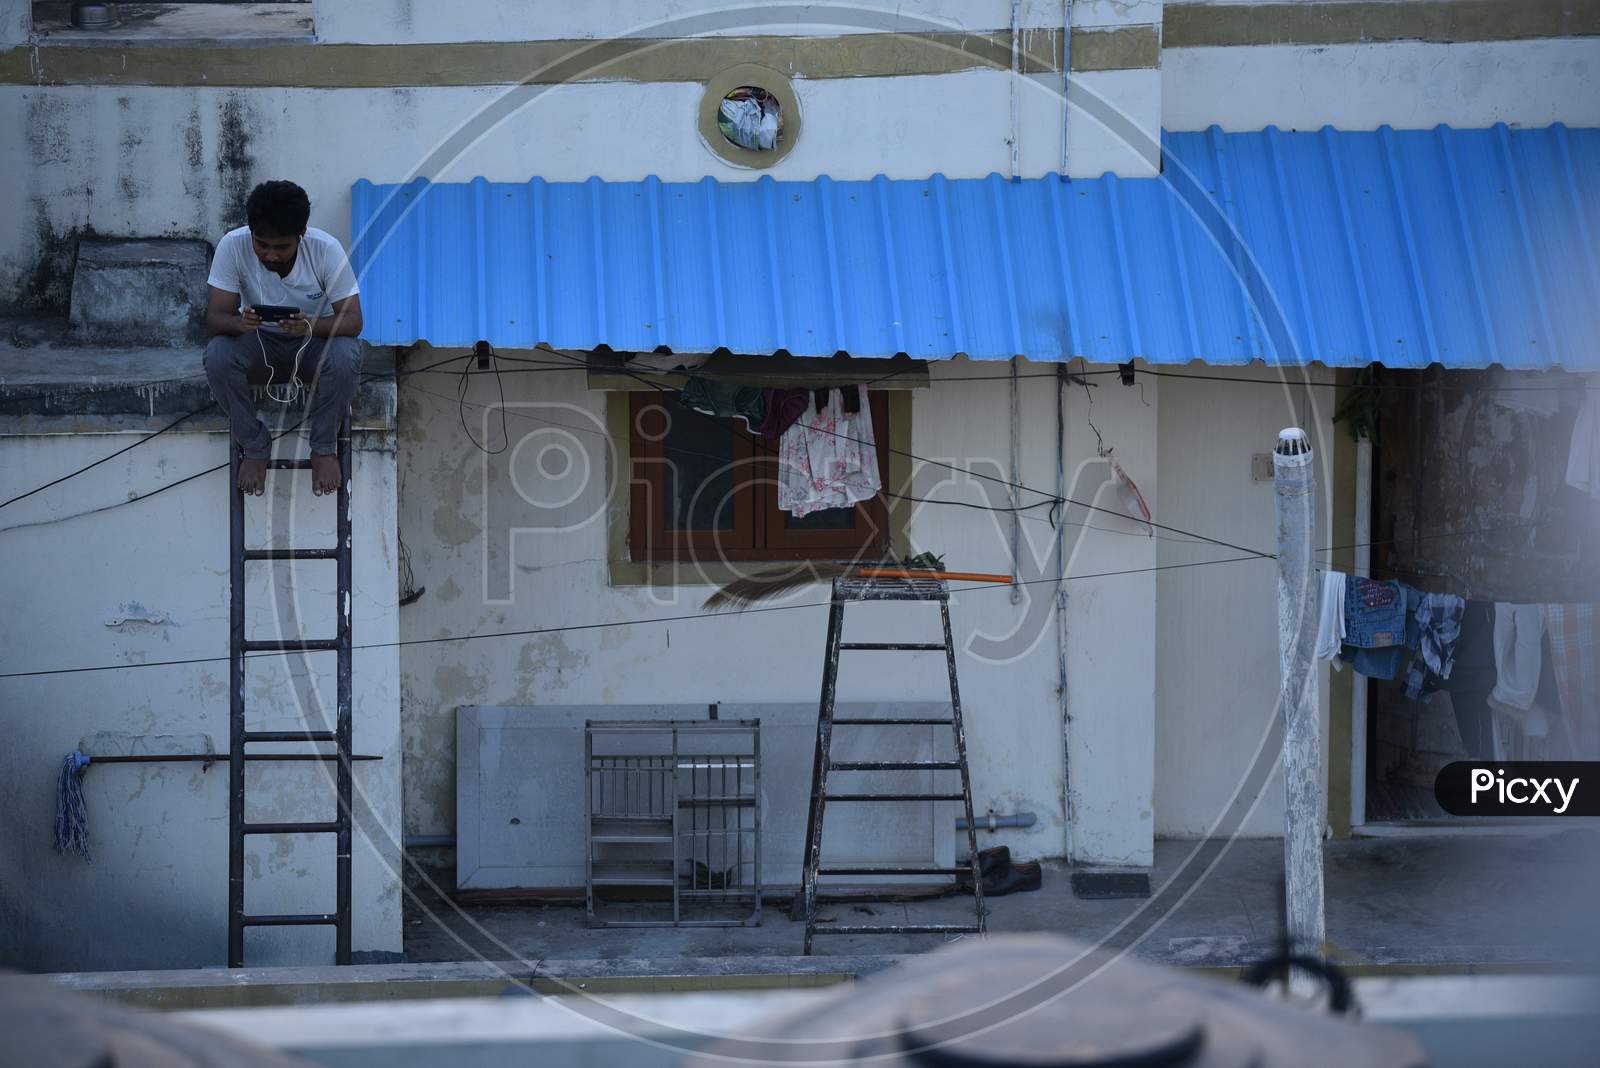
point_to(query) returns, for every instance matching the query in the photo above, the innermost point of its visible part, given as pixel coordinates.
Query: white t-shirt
(320, 277)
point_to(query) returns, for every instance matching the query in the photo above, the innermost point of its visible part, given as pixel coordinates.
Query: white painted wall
(16, 20)
(1218, 626)
(413, 21)
(1408, 85)
(156, 894)
(148, 161)
(561, 580)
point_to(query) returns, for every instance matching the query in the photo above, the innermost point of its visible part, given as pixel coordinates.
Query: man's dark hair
(280, 208)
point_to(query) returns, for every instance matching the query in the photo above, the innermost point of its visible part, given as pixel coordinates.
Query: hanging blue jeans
(1379, 630)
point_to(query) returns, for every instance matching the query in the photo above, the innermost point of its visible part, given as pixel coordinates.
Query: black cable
(112, 456)
(142, 496)
(189, 478)
(576, 363)
(150, 437)
(1050, 498)
(1149, 371)
(578, 627)
(1088, 409)
(461, 409)
(1021, 510)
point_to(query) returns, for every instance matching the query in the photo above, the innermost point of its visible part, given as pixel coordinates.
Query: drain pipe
(994, 822)
(1066, 77)
(428, 841)
(1062, 695)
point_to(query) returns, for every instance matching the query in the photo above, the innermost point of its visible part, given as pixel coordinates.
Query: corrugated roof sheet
(1461, 247)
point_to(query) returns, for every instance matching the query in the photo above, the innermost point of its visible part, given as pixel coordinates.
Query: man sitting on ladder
(301, 279)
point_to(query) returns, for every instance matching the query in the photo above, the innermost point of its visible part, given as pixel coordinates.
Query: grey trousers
(331, 367)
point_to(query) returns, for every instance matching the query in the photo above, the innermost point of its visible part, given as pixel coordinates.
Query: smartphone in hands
(272, 313)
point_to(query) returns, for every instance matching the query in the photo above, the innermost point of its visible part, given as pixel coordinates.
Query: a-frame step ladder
(846, 590)
(340, 736)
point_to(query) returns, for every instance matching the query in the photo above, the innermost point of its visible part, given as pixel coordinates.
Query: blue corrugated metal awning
(1461, 247)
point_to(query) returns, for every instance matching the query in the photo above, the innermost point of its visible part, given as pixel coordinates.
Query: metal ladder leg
(819, 769)
(961, 758)
(344, 725)
(824, 763)
(342, 735)
(235, 711)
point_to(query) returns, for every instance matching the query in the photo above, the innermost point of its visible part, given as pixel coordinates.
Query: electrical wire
(138, 497)
(573, 363)
(567, 365)
(461, 409)
(290, 390)
(580, 627)
(575, 628)
(127, 448)
(1022, 510)
(1050, 498)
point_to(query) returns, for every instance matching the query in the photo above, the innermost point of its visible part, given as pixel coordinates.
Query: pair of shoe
(1000, 876)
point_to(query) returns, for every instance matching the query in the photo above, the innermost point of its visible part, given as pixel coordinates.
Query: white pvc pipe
(1305, 804)
(1358, 683)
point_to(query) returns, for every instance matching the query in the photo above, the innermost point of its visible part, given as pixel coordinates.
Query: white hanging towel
(1583, 458)
(828, 459)
(1518, 638)
(1330, 622)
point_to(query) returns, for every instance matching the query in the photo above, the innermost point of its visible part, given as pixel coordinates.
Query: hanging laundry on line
(1487, 656)
(829, 458)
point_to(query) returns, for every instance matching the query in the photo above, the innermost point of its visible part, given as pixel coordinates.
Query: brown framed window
(706, 489)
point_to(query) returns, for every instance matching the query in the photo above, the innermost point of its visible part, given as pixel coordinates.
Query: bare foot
(253, 477)
(325, 473)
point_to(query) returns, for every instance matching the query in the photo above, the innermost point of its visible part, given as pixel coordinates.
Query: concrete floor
(1422, 902)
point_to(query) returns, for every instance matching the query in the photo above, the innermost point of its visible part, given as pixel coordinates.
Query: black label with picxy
(1519, 788)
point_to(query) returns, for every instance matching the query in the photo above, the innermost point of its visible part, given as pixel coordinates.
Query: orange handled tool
(912, 573)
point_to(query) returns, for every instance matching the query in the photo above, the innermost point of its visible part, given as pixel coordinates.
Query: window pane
(822, 519)
(699, 477)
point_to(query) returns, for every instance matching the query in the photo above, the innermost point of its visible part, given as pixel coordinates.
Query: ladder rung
(309, 919)
(894, 797)
(305, 645)
(917, 928)
(894, 871)
(896, 647)
(894, 765)
(291, 736)
(894, 722)
(328, 827)
(291, 554)
(289, 465)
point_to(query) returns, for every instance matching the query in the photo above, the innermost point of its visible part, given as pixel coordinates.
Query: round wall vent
(749, 116)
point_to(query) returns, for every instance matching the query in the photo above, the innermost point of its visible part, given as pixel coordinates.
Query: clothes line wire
(578, 363)
(575, 628)
(573, 363)
(1049, 497)
(127, 448)
(580, 627)
(681, 451)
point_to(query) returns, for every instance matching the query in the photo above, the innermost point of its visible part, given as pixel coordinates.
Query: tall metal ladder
(846, 590)
(341, 735)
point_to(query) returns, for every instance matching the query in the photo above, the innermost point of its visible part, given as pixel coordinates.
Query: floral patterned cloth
(1574, 631)
(828, 459)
